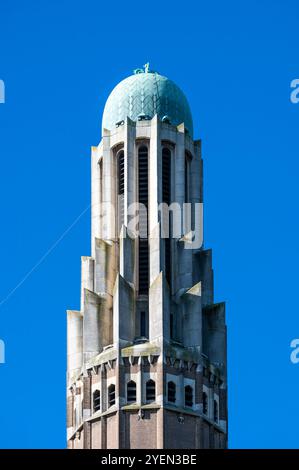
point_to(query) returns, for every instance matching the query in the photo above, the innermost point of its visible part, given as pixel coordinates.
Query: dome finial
(146, 69)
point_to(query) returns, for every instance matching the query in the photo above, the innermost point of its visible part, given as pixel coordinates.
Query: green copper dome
(143, 95)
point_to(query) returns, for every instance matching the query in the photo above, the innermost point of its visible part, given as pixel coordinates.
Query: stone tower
(147, 349)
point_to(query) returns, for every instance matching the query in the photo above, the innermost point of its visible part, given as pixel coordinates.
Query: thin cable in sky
(48, 252)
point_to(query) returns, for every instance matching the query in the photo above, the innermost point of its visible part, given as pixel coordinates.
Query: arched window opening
(150, 390)
(111, 395)
(188, 396)
(216, 411)
(166, 198)
(204, 403)
(131, 392)
(143, 219)
(187, 177)
(121, 187)
(96, 400)
(171, 392)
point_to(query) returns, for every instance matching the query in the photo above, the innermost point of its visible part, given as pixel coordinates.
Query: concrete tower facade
(147, 349)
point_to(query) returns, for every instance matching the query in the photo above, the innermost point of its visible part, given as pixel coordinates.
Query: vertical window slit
(166, 198)
(142, 324)
(143, 219)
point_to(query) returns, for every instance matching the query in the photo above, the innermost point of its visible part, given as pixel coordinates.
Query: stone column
(108, 226)
(155, 172)
(123, 312)
(127, 255)
(91, 325)
(87, 276)
(192, 321)
(96, 191)
(130, 167)
(159, 314)
(182, 256)
(74, 340)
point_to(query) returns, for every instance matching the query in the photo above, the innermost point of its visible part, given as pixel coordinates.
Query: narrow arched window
(150, 390)
(166, 199)
(143, 219)
(187, 176)
(215, 411)
(120, 188)
(131, 391)
(166, 175)
(96, 400)
(171, 392)
(111, 395)
(188, 396)
(204, 403)
(142, 324)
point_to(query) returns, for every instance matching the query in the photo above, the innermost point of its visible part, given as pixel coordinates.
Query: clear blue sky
(235, 61)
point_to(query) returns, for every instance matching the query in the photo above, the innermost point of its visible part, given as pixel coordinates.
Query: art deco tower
(147, 350)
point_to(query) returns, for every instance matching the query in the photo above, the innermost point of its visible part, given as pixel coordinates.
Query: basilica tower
(147, 349)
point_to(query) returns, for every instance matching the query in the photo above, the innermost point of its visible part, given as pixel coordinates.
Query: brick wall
(179, 435)
(96, 441)
(112, 432)
(142, 432)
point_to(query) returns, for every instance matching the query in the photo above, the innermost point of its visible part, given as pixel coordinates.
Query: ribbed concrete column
(215, 334)
(155, 253)
(130, 167)
(91, 325)
(159, 314)
(182, 257)
(123, 312)
(203, 272)
(178, 192)
(105, 269)
(127, 255)
(100, 281)
(196, 192)
(87, 276)
(155, 172)
(74, 340)
(96, 192)
(108, 226)
(192, 320)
